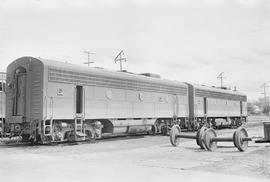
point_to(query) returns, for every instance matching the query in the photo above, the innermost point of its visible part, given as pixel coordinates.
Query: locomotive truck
(50, 101)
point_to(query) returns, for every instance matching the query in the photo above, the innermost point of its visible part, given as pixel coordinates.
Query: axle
(176, 134)
(207, 138)
(240, 139)
(228, 139)
(186, 136)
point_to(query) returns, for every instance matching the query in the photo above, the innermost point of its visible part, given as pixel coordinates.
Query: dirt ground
(138, 158)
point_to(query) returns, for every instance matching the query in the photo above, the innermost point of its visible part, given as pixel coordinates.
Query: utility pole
(88, 57)
(221, 77)
(120, 57)
(264, 86)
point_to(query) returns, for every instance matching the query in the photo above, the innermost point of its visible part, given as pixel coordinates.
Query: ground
(138, 158)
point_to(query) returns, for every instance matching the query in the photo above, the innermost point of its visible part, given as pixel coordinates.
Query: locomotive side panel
(117, 109)
(183, 106)
(223, 108)
(59, 101)
(141, 104)
(163, 105)
(143, 110)
(198, 107)
(106, 103)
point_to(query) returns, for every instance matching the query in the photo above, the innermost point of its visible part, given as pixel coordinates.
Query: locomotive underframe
(66, 130)
(50, 131)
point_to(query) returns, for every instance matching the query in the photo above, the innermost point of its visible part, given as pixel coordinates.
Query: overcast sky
(184, 40)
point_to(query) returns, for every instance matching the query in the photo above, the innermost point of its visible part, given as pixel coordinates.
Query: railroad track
(16, 141)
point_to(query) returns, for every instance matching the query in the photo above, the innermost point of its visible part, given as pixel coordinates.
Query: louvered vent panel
(219, 95)
(63, 76)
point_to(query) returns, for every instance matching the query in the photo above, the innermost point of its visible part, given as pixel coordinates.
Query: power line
(88, 57)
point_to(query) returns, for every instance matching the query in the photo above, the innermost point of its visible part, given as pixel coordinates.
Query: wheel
(154, 129)
(70, 136)
(25, 137)
(175, 130)
(234, 139)
(214, 124)
(209, 134)
(200, 136)
(237, 139)
(90, 134)
(164, 130)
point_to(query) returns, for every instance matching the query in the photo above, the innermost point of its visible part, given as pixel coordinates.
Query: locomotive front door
(20, 92)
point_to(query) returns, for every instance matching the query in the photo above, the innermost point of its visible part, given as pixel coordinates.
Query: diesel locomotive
(50, 101)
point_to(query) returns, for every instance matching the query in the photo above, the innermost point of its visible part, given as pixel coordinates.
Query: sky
(185, 40)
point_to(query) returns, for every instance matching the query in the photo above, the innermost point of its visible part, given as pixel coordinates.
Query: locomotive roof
(122, 75)
(215, 89)
(104, 72)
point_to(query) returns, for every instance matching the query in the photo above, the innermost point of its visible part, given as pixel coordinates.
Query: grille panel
(219, 95)
(64, 76)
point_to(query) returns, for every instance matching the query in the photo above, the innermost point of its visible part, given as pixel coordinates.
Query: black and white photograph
(134, 90)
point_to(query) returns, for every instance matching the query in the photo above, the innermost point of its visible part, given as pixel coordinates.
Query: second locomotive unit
(50, 101)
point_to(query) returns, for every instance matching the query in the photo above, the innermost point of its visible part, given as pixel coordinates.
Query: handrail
(51, 106)
(45, 103)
